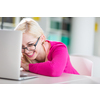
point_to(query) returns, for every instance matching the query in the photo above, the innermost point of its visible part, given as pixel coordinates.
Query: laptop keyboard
(24, 75)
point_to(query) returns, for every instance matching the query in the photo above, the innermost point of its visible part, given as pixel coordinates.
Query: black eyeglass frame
(33, 45)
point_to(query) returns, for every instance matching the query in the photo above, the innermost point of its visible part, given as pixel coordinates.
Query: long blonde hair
(28, 25)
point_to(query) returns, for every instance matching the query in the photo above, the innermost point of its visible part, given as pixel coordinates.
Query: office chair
(82, 65)
(96, 64)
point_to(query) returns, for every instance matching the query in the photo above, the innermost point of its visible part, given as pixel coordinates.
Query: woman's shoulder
(55, 44)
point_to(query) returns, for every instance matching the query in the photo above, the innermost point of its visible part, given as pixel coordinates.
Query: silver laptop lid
(10, 53)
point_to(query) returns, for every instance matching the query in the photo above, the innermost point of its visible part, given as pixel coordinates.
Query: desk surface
(63, 79)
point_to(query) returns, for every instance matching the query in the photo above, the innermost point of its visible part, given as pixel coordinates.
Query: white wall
(82, 36)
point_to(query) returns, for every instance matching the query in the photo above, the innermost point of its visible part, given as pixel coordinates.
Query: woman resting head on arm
(40, 55)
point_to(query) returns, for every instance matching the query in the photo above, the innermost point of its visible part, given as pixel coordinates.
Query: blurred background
(81, 35)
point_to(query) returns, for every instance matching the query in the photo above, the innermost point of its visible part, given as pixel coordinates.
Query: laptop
(10, 56)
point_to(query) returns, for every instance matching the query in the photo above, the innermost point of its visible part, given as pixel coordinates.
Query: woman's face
(29, 41)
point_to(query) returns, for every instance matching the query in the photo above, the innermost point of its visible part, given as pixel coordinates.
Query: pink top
(58, 62)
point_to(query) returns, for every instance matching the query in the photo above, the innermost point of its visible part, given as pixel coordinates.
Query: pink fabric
(59, 62)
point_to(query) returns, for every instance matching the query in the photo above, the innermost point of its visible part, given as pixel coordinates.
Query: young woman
(41, 56)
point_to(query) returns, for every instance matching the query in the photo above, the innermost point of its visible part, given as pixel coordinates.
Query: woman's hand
(24, 64)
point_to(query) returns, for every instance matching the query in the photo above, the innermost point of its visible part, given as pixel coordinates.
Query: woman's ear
(42, 38)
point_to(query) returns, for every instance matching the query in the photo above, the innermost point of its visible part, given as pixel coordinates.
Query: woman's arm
(56, 66)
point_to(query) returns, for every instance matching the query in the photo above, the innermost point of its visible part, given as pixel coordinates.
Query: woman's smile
(31, 54)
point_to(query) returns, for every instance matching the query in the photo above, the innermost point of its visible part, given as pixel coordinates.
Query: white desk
(63, 79)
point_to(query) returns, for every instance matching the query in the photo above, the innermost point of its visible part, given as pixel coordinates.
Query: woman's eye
(30, 44)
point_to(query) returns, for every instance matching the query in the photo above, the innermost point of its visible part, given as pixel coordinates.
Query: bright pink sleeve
(56, 66)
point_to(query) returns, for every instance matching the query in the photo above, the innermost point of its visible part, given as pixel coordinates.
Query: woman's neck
(42, 57)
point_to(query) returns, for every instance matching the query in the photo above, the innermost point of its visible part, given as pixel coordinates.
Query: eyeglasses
(31, 47)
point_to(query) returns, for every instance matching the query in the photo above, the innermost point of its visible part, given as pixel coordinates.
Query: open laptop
(10, 56)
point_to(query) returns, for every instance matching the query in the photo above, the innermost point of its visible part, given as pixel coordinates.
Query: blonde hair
(28, 25)
(31, 26)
